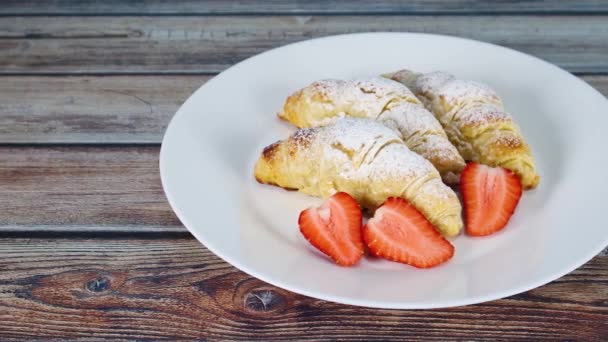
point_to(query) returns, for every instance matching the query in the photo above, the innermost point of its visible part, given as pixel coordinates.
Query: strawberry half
(399, 232)
(490, 195)
(335, 228)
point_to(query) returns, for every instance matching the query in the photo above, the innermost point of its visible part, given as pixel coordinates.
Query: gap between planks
(279, 7)
(70, 45)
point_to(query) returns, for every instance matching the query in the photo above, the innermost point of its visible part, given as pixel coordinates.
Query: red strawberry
(399, 232)
(490, 195)
(335, 228)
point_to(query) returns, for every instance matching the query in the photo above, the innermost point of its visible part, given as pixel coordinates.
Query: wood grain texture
(176, 289)
(208, 44)
(99, 189)
(112, 109)
(103, 109)
(189, 7)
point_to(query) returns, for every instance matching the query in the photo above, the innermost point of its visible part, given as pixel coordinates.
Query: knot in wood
(265, 300)
(98, 285)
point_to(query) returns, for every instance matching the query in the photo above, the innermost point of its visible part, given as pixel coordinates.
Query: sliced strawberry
(399, 232)
(490, 195)
(335, 228)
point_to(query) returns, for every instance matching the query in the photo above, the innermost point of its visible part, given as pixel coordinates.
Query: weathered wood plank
(92, 188)
(176, 289)
(158, 7)
(30, 45)
(106, 109)
(117, 109)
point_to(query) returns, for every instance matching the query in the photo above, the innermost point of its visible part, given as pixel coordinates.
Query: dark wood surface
(83, 188)
(175, 288)
(94, 109)
(209, 44)
(193, 7)
(89, 247)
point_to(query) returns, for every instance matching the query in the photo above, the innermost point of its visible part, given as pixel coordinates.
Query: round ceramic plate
(211, 145)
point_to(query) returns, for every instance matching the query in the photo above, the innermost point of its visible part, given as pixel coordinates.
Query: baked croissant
(384, 100)
(474, 119)
(365, 159)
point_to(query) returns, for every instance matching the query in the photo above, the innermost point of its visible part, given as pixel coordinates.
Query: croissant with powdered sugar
(386, 101)
(475, 121)
(365, 159)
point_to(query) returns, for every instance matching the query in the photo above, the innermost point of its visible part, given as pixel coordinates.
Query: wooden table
(90, 247)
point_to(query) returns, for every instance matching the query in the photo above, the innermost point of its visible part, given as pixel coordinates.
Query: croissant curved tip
(452, 227)
(262, 170)
(532, 183)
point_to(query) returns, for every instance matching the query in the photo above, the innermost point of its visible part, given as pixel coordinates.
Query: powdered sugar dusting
(438, 149)
(395, 161)
(371, 162)
(423, 134)
(439, 84)
(329, 88)
(432, 81)
(384, 88)
(389, 102)
(359, 97)
(355, 142)
(356, 138)
(369, 151)
(479, 114)
(410, 119)
(509, 140)
(465, 103)
(455, 92)
(469, 112)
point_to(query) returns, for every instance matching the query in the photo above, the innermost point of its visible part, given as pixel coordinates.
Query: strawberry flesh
(335, 229)
(490, 196)
(399, 232)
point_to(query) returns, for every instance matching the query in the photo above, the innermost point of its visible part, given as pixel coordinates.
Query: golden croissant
(475, 121)
(380, 99)
(365, 159)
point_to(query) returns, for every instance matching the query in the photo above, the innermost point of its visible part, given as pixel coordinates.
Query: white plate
(210, 147)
